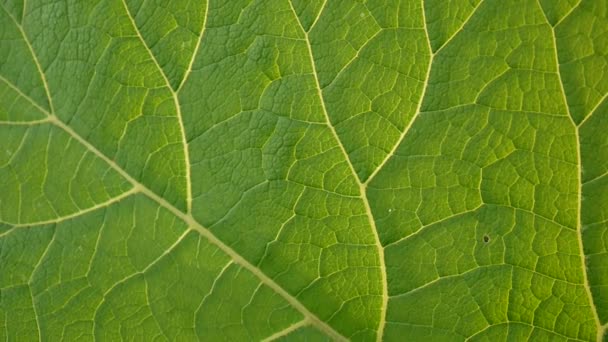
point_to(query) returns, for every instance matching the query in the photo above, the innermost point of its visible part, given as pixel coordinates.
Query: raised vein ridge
(362, 186)
(190, 221)
(175, 102)
(579, 226)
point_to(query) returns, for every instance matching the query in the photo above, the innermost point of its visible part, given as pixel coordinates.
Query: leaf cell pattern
(304, 170)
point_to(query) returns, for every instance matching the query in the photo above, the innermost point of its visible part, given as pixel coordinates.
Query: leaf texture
(304, 170)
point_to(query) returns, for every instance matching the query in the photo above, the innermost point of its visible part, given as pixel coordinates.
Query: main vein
(362, 186)
(195, 225)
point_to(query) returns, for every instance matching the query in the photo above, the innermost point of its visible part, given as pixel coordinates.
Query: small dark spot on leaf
(486, 238)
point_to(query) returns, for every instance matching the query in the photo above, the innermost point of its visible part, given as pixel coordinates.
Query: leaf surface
(304, 170)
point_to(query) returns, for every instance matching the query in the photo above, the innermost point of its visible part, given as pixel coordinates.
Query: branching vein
(189, 219)
(177, 108)
(362, 187)
(196, 48)
(287, 331)
(579, 229)
(34, 57)
(107, 203)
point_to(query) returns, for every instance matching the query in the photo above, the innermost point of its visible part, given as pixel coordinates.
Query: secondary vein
(579, 229)
(424, 87)
(187, 216)
(362, 186)
(177, 109)
(35, 58)
(196, 48)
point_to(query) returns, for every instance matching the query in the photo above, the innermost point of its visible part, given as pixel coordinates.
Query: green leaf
(304, 170)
